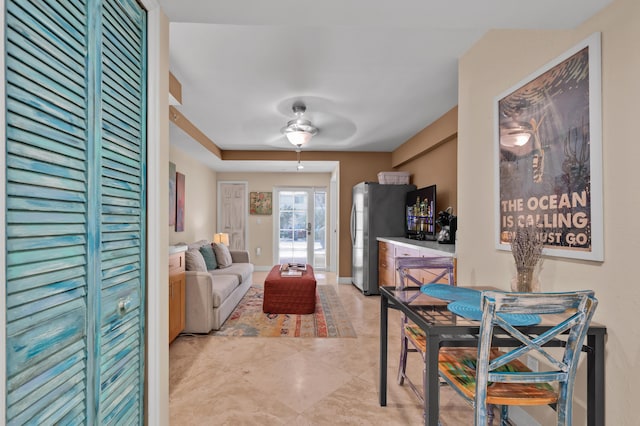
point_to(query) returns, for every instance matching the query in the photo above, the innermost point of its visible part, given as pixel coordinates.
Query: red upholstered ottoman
(289, 295)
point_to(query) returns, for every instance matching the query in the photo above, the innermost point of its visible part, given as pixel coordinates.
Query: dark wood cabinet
(386, 264)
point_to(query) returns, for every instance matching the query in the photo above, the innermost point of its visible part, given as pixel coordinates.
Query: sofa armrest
(240, 256)
(199, 301)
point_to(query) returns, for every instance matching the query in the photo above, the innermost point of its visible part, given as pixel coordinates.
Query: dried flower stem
(526, 247)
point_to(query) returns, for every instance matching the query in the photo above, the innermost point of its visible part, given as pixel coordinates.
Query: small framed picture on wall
(260, 203)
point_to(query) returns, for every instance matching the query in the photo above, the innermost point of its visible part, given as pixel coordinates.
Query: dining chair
(418, 271)
(488, 376)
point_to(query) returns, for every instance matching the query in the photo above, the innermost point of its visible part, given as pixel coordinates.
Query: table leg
(595, 380)
(384, 311)
(431, 382)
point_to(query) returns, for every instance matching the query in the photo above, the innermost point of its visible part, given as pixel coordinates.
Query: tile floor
(299, 381)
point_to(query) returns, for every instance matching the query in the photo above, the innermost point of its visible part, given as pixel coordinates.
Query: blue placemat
(450, 292)
(472, 311)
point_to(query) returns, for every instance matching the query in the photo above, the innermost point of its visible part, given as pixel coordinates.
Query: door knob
(124, 305)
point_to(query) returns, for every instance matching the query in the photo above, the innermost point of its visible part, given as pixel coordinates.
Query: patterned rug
(329, 320)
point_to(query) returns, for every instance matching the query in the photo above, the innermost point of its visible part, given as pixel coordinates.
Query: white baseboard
(344, 280)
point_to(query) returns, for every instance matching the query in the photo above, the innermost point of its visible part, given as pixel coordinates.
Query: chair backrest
(409, 267)
(570, 313)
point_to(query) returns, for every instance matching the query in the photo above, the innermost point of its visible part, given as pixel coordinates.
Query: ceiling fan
(299, 131)
(320, 118)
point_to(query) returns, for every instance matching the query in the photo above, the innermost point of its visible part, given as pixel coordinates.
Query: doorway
(232, 213)
(301, 226)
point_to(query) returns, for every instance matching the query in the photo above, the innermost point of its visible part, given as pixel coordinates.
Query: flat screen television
(420, 223)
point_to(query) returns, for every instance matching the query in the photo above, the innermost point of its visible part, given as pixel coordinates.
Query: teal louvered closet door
(75, 208)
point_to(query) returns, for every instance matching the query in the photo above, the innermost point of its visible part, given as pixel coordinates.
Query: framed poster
(260, 203)
(548, 174)
(180, 198)
(172, 194)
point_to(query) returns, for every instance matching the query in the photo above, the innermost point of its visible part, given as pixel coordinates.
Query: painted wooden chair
(487, 376)
(418, 271)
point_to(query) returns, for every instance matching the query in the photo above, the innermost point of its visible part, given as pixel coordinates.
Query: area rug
(329, 320)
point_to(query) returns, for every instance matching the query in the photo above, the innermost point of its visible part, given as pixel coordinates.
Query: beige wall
(200, 199)
(260, 231)
(486, 71)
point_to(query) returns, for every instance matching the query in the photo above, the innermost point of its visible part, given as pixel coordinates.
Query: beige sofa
(211, 295)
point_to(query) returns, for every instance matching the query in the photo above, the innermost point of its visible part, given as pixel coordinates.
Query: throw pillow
(209, 256)
(194, 261)
(223, 256)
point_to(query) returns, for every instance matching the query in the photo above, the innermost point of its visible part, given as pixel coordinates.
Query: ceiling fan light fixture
(299, 137)
(299, 131)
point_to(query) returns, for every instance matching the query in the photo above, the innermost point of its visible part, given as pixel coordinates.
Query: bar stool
(418, 271)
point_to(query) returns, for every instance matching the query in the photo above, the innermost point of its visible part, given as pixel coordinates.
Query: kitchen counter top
(433, 246)
(177, 248)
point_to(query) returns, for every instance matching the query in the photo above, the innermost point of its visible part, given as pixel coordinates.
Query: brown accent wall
(437, 166)
(431, 158)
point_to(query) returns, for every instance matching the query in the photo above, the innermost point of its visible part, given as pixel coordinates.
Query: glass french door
(301, 228)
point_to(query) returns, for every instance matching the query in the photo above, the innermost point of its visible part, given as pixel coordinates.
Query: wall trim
(157, 339)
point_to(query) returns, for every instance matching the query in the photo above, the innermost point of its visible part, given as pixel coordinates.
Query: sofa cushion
(222, 286)
(194, 261)
(223, 256)
(209, 256)
(242, 271)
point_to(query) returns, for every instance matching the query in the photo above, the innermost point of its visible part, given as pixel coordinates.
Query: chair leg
(402, 367)
(490, 415)
(504, 416)
(564, 407)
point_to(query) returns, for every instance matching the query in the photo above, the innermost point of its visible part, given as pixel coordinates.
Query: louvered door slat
(50, 78)
(63, 360)
(114, 97)
(46, 38)
(65, 140)
(56, 292)
(23, 151)
(62, 31)
(24, 53)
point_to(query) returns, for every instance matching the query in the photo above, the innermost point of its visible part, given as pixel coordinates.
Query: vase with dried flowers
(527, 251)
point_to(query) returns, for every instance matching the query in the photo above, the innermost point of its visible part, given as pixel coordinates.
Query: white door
(232, 213)
(301, 226)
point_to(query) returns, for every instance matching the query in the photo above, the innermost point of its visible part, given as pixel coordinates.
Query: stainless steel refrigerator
(377, 211)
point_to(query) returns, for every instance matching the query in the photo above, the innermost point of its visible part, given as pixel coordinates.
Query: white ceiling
(372, 73)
